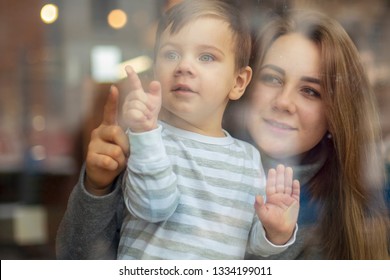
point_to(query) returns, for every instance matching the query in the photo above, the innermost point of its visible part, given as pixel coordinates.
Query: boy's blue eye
(171, 55)
(206, 58)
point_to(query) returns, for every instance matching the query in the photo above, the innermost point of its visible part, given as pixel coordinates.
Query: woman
(310, 106)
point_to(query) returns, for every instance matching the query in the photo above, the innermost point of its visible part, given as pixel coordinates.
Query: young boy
(190, 187)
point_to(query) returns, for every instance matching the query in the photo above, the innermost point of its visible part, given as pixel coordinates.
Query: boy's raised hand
(141, 109)
(279, 213)
(107, 149)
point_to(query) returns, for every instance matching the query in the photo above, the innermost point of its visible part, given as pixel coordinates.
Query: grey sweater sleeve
(90, 228)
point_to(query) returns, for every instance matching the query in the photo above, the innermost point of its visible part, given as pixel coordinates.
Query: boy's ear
(242, 80)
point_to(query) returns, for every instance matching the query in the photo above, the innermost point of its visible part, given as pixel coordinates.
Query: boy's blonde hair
(189, 10)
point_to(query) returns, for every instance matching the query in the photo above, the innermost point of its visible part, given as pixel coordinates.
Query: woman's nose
(285, 100)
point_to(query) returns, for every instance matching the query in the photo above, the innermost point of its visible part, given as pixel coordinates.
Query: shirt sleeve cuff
(283, 246)
(263, 247)
(146, 146)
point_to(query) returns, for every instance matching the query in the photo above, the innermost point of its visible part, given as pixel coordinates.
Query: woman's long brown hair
(354, 222)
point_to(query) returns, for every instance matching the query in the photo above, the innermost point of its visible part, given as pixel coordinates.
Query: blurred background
(57, 61)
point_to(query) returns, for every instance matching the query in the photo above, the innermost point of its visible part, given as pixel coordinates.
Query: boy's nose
(184, 67)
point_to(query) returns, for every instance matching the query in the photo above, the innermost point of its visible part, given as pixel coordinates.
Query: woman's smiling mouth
(278, 125)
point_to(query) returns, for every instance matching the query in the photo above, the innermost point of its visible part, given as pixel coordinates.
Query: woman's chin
(277, 150)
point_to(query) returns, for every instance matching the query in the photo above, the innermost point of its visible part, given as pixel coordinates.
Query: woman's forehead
(295, 54)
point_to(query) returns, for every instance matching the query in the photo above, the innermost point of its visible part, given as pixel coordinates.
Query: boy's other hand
(279, 213)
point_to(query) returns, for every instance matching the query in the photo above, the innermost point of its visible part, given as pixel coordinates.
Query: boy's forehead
(205, 24)
(204, 30)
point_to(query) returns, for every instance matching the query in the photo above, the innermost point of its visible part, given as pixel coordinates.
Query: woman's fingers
(110, 113)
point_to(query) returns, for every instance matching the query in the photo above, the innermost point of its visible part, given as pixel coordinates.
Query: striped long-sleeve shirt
(191, 196)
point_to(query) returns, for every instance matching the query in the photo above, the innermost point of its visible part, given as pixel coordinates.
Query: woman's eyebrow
(274, 67)
(311, 80)
(282, 72)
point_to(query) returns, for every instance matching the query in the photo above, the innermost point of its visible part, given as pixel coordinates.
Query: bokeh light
(49, 13)
(117, 19)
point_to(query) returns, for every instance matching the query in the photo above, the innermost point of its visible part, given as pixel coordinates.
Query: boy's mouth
(182, 88)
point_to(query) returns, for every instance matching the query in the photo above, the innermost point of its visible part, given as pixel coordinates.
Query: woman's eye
(270, 79)
(171, 55)
(311, 92)
(206, 58)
